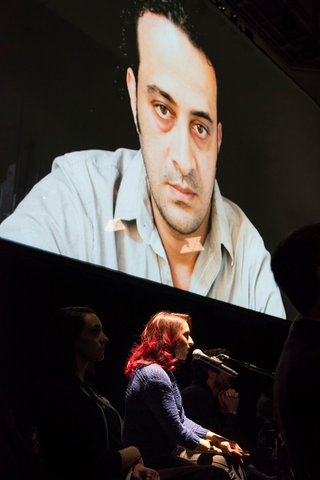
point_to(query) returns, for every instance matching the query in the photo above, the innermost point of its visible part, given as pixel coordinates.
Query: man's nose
(190, 341)
(181, 148)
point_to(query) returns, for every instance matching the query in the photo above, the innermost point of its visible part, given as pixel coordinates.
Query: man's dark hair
(63, 329)
(200, 369)
(185, 14)
(294, 264)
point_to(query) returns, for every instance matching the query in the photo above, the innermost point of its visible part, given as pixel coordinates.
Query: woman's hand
(224, 446)
(204, 446)
(140, 472)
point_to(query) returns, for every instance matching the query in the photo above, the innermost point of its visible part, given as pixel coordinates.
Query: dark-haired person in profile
(210, 401)
(79, 431)
(156, 213)
(296, 267)
(219, 403)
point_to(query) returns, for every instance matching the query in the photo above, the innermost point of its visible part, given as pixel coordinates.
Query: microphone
(213, 362)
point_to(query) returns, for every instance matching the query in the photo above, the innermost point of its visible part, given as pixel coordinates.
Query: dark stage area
(34, 284)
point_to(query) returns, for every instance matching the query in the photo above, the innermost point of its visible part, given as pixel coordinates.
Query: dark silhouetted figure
(296, 267)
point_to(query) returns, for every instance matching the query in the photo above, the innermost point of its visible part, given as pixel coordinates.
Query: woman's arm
(204, 446)
(220, 445)
(163, 399)
(131, 458)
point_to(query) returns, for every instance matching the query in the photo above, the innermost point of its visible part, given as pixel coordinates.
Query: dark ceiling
(289, 30)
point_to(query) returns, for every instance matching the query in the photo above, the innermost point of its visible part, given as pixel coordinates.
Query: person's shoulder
(63, 388)
(153, 373)
(152, 369)
(190, 389)
(193, 391)
(235, 214)
(239, 224)
(188, 392)
(304, 326)
(97, 159)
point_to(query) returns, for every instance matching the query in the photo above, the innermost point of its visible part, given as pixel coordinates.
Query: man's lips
(182, 194)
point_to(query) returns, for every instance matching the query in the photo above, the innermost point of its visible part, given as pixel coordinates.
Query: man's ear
(132, 89)
(219, 136)
(211, 374)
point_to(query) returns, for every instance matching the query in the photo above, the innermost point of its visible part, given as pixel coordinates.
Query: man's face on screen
(175, 110)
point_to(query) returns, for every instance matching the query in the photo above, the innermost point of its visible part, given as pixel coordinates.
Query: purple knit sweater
(155, 421)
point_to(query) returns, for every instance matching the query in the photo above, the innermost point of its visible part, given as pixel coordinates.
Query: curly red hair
(158, 342)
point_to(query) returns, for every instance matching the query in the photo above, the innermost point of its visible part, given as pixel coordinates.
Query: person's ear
(211, 374)
(132, 89)
(219, 136)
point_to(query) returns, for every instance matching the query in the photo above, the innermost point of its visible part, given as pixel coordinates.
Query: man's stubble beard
(187, 224)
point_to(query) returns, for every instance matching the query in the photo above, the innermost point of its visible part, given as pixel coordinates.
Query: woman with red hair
(154, 417)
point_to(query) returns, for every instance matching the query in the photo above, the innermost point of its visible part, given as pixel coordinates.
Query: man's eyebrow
(154, 89)
(202, 114)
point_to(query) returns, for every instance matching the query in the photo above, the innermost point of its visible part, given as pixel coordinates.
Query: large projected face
(175, 110)
(155, 213)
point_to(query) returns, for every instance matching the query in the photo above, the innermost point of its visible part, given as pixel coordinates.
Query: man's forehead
(157, 29)
(169, 60)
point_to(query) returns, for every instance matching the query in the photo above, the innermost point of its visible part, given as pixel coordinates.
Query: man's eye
(163, 111)
(201, 130)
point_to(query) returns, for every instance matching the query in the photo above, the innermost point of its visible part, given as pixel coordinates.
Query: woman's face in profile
(184, 342)
(89, 346)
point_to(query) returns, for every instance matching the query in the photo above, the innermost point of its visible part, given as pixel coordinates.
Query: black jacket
(79, 433)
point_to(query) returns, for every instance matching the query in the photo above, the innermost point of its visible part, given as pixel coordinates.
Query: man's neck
(182, 250)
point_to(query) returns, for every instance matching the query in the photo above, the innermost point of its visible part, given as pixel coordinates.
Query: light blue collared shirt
(95, 206)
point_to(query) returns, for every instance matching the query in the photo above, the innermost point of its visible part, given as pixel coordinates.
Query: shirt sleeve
(53, 216)
(159, 397)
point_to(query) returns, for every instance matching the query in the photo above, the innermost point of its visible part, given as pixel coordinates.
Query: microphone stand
(247, 365)
(279, 450)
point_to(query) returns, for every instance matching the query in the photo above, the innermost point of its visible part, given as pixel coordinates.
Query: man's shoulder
(235, 215)
(241, 229)
(95, 159)
(194, 391)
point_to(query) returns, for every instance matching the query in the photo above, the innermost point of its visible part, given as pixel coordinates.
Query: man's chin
(184, 229)
(182, 222)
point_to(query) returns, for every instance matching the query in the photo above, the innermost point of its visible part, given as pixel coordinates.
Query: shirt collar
(219, 233)
(133, 203)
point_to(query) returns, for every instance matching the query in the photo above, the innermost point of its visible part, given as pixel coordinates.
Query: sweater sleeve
(161, 398)
(197, 429)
